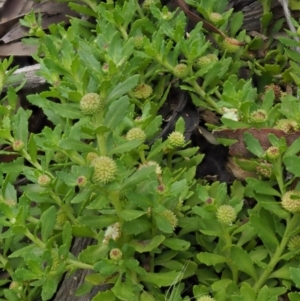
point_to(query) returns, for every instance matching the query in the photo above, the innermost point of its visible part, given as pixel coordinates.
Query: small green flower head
(181, 70)
(286, 125)
(82, 181)
(230, 45)
(147, 3)
(115, 254)
(59, 157)
(202, 62)
(206, 298)
(215, 17)
(15, 286)
(273, 153)
(176, 139)
(226, 214)
(44, 180)
(10, 202)
(91, 103)
(264, 169)
(213, 57)
(138, 42)
(18, 145)
(61, 218)
(90, 157)
(258, 116)
(170, 217)
(142, 91)
(105, 68)
(294, 243)
(136, 133)
(158, 170)
(291, 201)
(105, 170)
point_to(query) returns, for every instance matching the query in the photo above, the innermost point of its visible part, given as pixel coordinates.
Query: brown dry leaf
(239, 148)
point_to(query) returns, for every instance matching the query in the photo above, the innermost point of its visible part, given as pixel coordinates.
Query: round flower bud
(294, 243)
(136, 133)
(14, 285)
(44, 180)
(170, 217)
(11, 203)
(105, 68)
(290, 202)
(215, 17)
(273, 152)
(258, 116)
(212, 57)
(230, 45)
(226, 214)
(142, 91)
(158, 170)
(161, 189)
(18, 145)
(286, 125)
(105, 170)
(206, 298)
(115, 254)
(176, 139)
(202, 62)
(147, 3)
(61, 218)
(264, 169)
(59, 157)
(138, 42)
(81, 181)
(181, 70)
(91, 103)
(276, 89)
(90, 157)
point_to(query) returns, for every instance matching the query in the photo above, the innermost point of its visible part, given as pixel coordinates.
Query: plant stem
(276, 257)
(79, 264)
(34, 239)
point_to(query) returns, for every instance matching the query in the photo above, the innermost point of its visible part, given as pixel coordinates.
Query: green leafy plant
(99, 169)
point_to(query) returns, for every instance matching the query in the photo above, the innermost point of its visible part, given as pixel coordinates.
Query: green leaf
(116, 112)
(292, 164)
(20, 126)
(176, 244)
(253, 145)
(163, 224)
(293, 149)
(143, 246)
(262, 224)
(138, 177)
(123, 88)
(295, 275)
(75, 145)
(48, 220)
(91, 254)
(292, 297)
(162, 279)
(126, 147)
(262, 187)
(243, 261)
(97, 222)
(130, 214)
(107, 296)
(236, 22)
(247, 292)
(67, 234)
(123, 290)
(49, 287)
(180, 125)
(210, 258)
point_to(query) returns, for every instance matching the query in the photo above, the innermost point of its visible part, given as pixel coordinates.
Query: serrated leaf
(253, 145)
(243, 261)
(116, 112)
(48, 220)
